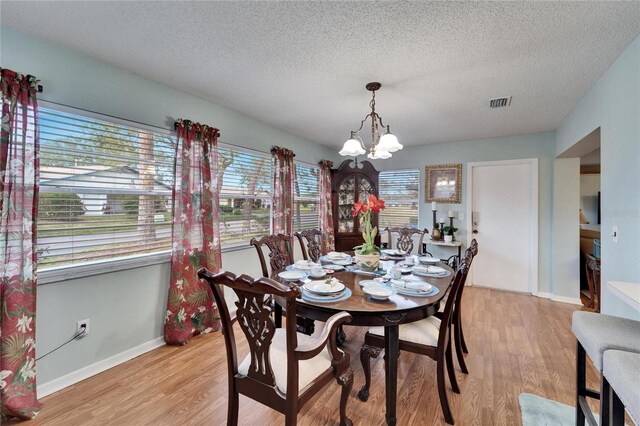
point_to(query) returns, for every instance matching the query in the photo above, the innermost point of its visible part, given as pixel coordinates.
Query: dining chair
(310, 250)
(280, 252)
(284, 369)
(430, 336)
(461, 344)
(405, 238)
(280, 248)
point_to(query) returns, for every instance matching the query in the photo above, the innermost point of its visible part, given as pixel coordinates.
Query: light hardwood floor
(517, 343)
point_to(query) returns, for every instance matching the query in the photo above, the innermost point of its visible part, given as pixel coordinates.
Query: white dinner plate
(393, 252)
(379, 292)
(343, 262)
(428, 260)
(323, 288)
(292, 275)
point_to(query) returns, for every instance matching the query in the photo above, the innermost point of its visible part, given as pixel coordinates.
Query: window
(244, 184)
(306, 197)
(105, 190)
(400, 190)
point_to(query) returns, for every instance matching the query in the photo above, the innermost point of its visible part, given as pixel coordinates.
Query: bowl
(378, 292)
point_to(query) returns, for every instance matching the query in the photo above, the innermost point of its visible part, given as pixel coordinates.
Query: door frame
(533, 226)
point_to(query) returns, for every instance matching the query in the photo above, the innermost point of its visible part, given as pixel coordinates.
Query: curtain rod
(175, 126)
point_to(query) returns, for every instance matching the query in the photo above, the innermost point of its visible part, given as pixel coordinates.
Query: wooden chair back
(455, 290)
(310, 250)
(280, 252)
(254, 316)
(405, 238)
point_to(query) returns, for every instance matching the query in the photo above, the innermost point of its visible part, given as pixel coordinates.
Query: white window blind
(105, 190)
(400, 190)
(245, 188)
(306, 197)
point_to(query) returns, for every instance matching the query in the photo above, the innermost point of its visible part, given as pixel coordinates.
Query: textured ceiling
(302, 66)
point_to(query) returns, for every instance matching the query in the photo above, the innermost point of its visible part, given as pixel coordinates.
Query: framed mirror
(443, 183)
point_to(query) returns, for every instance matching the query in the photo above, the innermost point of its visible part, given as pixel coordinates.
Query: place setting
(327, 290)
(392, 254)
(334, 258)
(430, 271)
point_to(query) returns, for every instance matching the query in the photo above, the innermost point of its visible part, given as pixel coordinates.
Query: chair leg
(605, 390)
(366, 353)
(442, 391)
(450, 369)
(346, 381)
(581, 382)
(459, 349)
(460, 333)
(232, 410)
(616, 407)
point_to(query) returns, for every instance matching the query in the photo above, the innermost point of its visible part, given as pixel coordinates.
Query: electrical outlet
(460, 216)
(82, 325)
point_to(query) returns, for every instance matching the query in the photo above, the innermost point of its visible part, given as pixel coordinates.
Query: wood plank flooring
(517, 343)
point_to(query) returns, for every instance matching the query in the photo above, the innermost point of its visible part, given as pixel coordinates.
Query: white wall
(566, 229)
(539, 146)
(126, 308)
(613, 104)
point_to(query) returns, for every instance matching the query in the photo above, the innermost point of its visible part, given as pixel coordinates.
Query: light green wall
(613, 104)
(539, 146)
(126, 308)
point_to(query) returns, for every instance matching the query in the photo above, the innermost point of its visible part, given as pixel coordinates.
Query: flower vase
(448, 238)
(368, 262)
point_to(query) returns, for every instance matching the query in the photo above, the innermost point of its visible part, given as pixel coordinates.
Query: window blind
(245, 188)
(400, 190)
(105, 190)
(306, 197)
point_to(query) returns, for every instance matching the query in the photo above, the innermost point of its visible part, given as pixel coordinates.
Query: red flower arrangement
(373, 205)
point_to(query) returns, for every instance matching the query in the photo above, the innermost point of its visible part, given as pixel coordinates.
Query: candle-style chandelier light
(383, 142)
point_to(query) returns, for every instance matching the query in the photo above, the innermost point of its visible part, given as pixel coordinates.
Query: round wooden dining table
(366, 312)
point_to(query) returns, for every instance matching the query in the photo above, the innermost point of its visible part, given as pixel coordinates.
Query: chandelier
(383, 143)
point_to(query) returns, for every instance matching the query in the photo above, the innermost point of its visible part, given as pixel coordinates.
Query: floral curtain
(284, 174)
(191, 309)
(326, 212)
(19, 171)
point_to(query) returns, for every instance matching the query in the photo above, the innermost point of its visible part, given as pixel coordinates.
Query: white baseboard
(562, 299)
(98, 367)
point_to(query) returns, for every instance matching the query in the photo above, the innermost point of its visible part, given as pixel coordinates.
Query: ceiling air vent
(500, 102)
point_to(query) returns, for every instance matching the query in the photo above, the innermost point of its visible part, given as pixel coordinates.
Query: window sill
(65, 273)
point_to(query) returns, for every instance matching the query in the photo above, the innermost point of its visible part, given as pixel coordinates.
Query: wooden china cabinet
(351, 183)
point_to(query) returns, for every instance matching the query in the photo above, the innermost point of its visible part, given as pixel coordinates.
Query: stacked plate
(324, 289)
(393, 253)
(292, 276)
(337, 258)
(429, 271)
(428, 260)
(305, 265)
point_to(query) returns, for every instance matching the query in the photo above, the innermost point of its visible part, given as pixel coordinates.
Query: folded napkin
(412, 285)
(436, 270)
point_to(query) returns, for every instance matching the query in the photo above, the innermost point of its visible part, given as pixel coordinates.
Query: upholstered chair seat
(622, 370)
(423, 332)
(309, 369)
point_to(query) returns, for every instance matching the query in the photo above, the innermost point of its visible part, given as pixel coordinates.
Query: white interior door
(504, 221)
